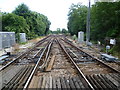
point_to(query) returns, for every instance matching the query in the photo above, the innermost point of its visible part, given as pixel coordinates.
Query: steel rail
(46, 56)
(37, 44)
(37, 53)
(91, 56)
(76, 66)
(36, 66)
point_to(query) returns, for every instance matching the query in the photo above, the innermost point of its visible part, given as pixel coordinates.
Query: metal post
(0, 29)
(0, 20)
(88, 25)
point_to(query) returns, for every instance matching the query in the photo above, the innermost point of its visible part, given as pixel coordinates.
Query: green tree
(64, 31)
(105, 20)
(58, 31)
(22, 10)
(38, 23)
(0, 21)
(46, 22)
(77, 19)
(105, 23)
(14, 23)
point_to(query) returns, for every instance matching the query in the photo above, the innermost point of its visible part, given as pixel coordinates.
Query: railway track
(61, 65)
(60, 74)
(13, 59)
(67, 73)
(94, 52)
(84, 56)
(11, 71)
(96, 71)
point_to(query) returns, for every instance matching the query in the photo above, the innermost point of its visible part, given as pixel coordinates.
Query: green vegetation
(105, 22)
(23, 20)
(14, 23)
(60, 31)
(77, 19)
(23, 43)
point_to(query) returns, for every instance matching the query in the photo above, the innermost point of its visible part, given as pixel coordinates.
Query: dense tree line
(77, 18)
(105, 21)
(24, 20)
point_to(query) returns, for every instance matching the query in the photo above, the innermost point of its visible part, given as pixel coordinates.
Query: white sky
(55, 10)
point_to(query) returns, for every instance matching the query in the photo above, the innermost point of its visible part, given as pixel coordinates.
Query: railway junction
(57, 63)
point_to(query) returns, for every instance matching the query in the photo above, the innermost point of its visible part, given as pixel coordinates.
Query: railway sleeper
(94, 82)
(9, 83)
(99, 81)
(80, 82)
(98, 86)
(19, 80)
(72, 86)
(109, 82)
(116, 83)
(22, 83)
(66, 82)
(15, 79)
(7, 76)
(63, 82)
(39, 82)
(76, 83)
(104, 81)
(115, 77)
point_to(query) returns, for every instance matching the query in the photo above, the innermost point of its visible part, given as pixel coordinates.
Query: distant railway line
(56, 63)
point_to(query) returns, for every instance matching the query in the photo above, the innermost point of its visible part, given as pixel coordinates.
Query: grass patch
(23, 43)
(115, 51)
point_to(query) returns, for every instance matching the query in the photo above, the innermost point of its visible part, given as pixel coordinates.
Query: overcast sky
(55, 10)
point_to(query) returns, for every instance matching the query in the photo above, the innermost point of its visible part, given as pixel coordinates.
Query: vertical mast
(88, 25)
